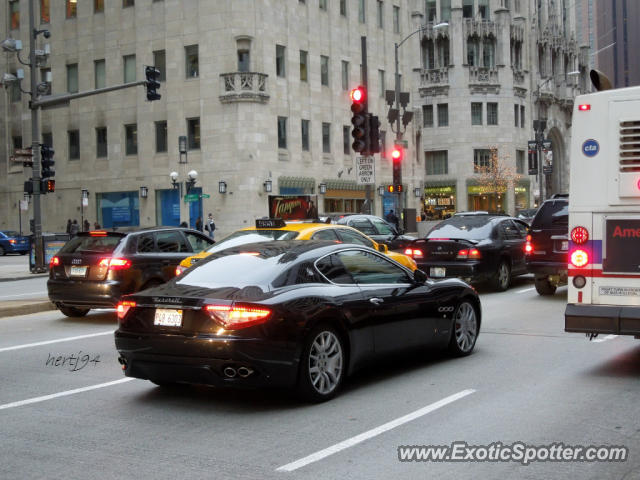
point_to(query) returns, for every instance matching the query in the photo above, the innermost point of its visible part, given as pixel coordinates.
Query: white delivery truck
(604, 213)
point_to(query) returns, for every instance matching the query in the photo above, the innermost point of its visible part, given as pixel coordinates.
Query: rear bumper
(203, 359)
(609, 319)
(9, 248)
(471, 271)
(547, 268)
(84, 293)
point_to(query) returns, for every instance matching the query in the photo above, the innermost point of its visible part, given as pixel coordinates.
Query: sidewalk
(14, 268)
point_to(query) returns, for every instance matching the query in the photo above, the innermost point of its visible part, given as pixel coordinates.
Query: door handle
(376, 300)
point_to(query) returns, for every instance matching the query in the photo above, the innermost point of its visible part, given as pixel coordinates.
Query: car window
(551, 213)
(383, 227)
(146, 243)
(369, 268)
(242, 237)
(82, 244)
(326, 234)
(331, 267)
(349, 236)
(509, 230)
(171, 242)
(522, 229)
(198, 242)
(467, 227)
(364, 226)
(302, 273)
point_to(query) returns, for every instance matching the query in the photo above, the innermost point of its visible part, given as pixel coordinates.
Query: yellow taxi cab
(268, 229)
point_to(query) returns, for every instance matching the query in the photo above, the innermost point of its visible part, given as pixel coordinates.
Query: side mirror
(419, 276)
(382, 248)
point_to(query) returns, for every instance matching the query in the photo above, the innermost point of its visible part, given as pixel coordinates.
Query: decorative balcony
(484, 80)
(434, 81)
(479, 28)
(244, 87)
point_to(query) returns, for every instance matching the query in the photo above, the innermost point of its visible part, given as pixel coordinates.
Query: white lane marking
(350, 442)
(526, 290)
(604, 339)
(63, 394)
(48, 342)
(6, 297)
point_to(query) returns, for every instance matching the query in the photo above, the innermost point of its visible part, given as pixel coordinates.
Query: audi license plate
(168, 317)
(437, 272)
(78, 271)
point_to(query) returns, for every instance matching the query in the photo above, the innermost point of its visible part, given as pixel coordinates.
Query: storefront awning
(338, 184)
(306, 183)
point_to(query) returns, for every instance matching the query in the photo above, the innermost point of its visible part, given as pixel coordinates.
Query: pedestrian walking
(199, 224)
(74, 229)
(211, 226)
(392, 218)
(96, 226)
(69, 226)
(86, 226)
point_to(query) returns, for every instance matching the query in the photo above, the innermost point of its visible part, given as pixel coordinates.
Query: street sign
(192, 197)
(404, 143)
(22, 152)
(365, 170)
(205, 195)
(24, 205)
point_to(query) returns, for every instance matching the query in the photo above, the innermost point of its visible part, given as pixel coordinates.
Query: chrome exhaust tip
(230, 372)
(244, 372)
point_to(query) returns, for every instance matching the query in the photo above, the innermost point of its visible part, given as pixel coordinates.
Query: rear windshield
(86, 244)
(250, 236)
(463, 227)
(552, 214)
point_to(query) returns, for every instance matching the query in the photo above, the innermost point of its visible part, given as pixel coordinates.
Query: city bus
(604, 212)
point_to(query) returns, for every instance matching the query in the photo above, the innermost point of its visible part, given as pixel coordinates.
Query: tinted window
(509, 230)
(146, 243)
(331, 267)
(197, 242)
(383, 227)
(302, 273)
(327, 234)
(364, 226)
(464, 227)
(171, 242)
(369, 268)
(349, 236)
(250, 236)
(84, 244)
(554, 213)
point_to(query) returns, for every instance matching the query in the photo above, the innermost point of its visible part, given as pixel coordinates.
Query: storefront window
(118, 209)
(522, 196)
(481, 199)
(439, 202)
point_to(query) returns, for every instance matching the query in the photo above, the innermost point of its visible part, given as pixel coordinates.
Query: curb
(26, 309)
(25, 277)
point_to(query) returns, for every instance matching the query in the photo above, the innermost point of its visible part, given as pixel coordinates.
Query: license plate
(167, 317)
(78, 271)
(564, 246)
(437, 272)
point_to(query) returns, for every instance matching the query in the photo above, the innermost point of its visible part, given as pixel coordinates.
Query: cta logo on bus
(590, 147)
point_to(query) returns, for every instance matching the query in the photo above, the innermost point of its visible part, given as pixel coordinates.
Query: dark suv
(94, 269)
(378, 229)
(548, 244)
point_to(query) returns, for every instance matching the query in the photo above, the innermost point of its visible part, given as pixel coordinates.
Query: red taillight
(470, 253)
(585, 107)
(237, 316)
(180, 269)
(579, 258)
(54, 262)
(413, 252)
(528, 247)
(123, 307)
(12, 241)
(97, 233)
(115, 263)
(579, 235)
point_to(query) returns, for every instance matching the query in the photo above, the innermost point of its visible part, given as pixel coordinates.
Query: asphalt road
(527, 381)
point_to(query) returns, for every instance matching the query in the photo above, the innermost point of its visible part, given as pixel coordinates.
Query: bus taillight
(579, 258)
(579, 235)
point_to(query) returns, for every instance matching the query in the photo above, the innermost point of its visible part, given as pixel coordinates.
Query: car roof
(124, 231)
(307, 228)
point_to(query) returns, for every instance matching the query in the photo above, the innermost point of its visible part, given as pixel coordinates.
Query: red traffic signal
(358, 95)
(397, 152)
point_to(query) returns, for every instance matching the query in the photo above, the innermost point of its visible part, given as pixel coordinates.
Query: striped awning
(297, 182)
(339, 184)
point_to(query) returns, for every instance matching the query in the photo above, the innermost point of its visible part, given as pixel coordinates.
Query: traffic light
(47, 162)
(152, 74)
(47, 185)
(374, 134)
(397, 188)
(360, 120)
(397, 156)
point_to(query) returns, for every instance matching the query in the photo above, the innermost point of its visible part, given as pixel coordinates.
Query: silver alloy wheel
(466, 327)
(503, 275)
(325, 362)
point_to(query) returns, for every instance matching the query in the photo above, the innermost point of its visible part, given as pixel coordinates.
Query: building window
(128, 3)
(160, 62)
(467, 8)
(445, 10)
(129, 68)
(488, 53)
(492, 113)
(280, 64)
(193, 133)
(161, 136)
(519, 161)
(396, 19)
(71, 9)
(516, 6)
(516, 114)
(131, 139)
(101, 142)
(324, 70)
(323, 4)
(282, 132)
(304, 66)
(72, 78)
(436, 163)
(481, 159)
(432, 12)
(45, 13)
(343, 8)
(380, 5)
(476, 113)
(74, 144)
(17, 142)
(443, 115)
(442, 45)
(362, 14)
(305, 135)
(98, 6)
(427, 115)
(346, 140)
(483, 9)
(326, 137)
(191, 61)
(521, 116)
(345, 75)
(99, 73)
(244, 58)
(14, 11)
(381, 82)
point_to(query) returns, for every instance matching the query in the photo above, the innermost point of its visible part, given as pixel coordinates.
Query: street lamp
(174, 180)
(267, 186)
(144, 192)
(417, 192)
(381, 190)
(322, 188)
(222, 186)
(193, 175)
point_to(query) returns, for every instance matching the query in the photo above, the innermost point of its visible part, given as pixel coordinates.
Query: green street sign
(192, 197)
(404, 143)
(205, 195)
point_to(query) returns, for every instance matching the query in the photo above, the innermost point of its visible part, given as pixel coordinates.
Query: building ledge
(244, 87)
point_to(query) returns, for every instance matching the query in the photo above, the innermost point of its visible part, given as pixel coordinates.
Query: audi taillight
(54, 262)
(579, 235)
(123, 308)
(469, 253)
(579, 258)
(234, 317)
(115, 263)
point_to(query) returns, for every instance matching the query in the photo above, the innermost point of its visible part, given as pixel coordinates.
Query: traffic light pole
(367, 188)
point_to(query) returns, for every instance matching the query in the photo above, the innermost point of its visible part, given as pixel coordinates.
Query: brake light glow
(115, 263)
(237, 316)
(470, 253)
(585, 107)
(579, 258)
(528, 247)
(180, 269)
(579, 235)
(54, 262)
(97, 233)
(414, 252)
(12, 241)
(123, 307)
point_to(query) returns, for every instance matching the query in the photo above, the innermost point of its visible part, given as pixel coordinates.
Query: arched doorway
(557, 181)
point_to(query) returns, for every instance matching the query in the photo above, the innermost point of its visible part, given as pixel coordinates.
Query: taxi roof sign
(270, 223)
